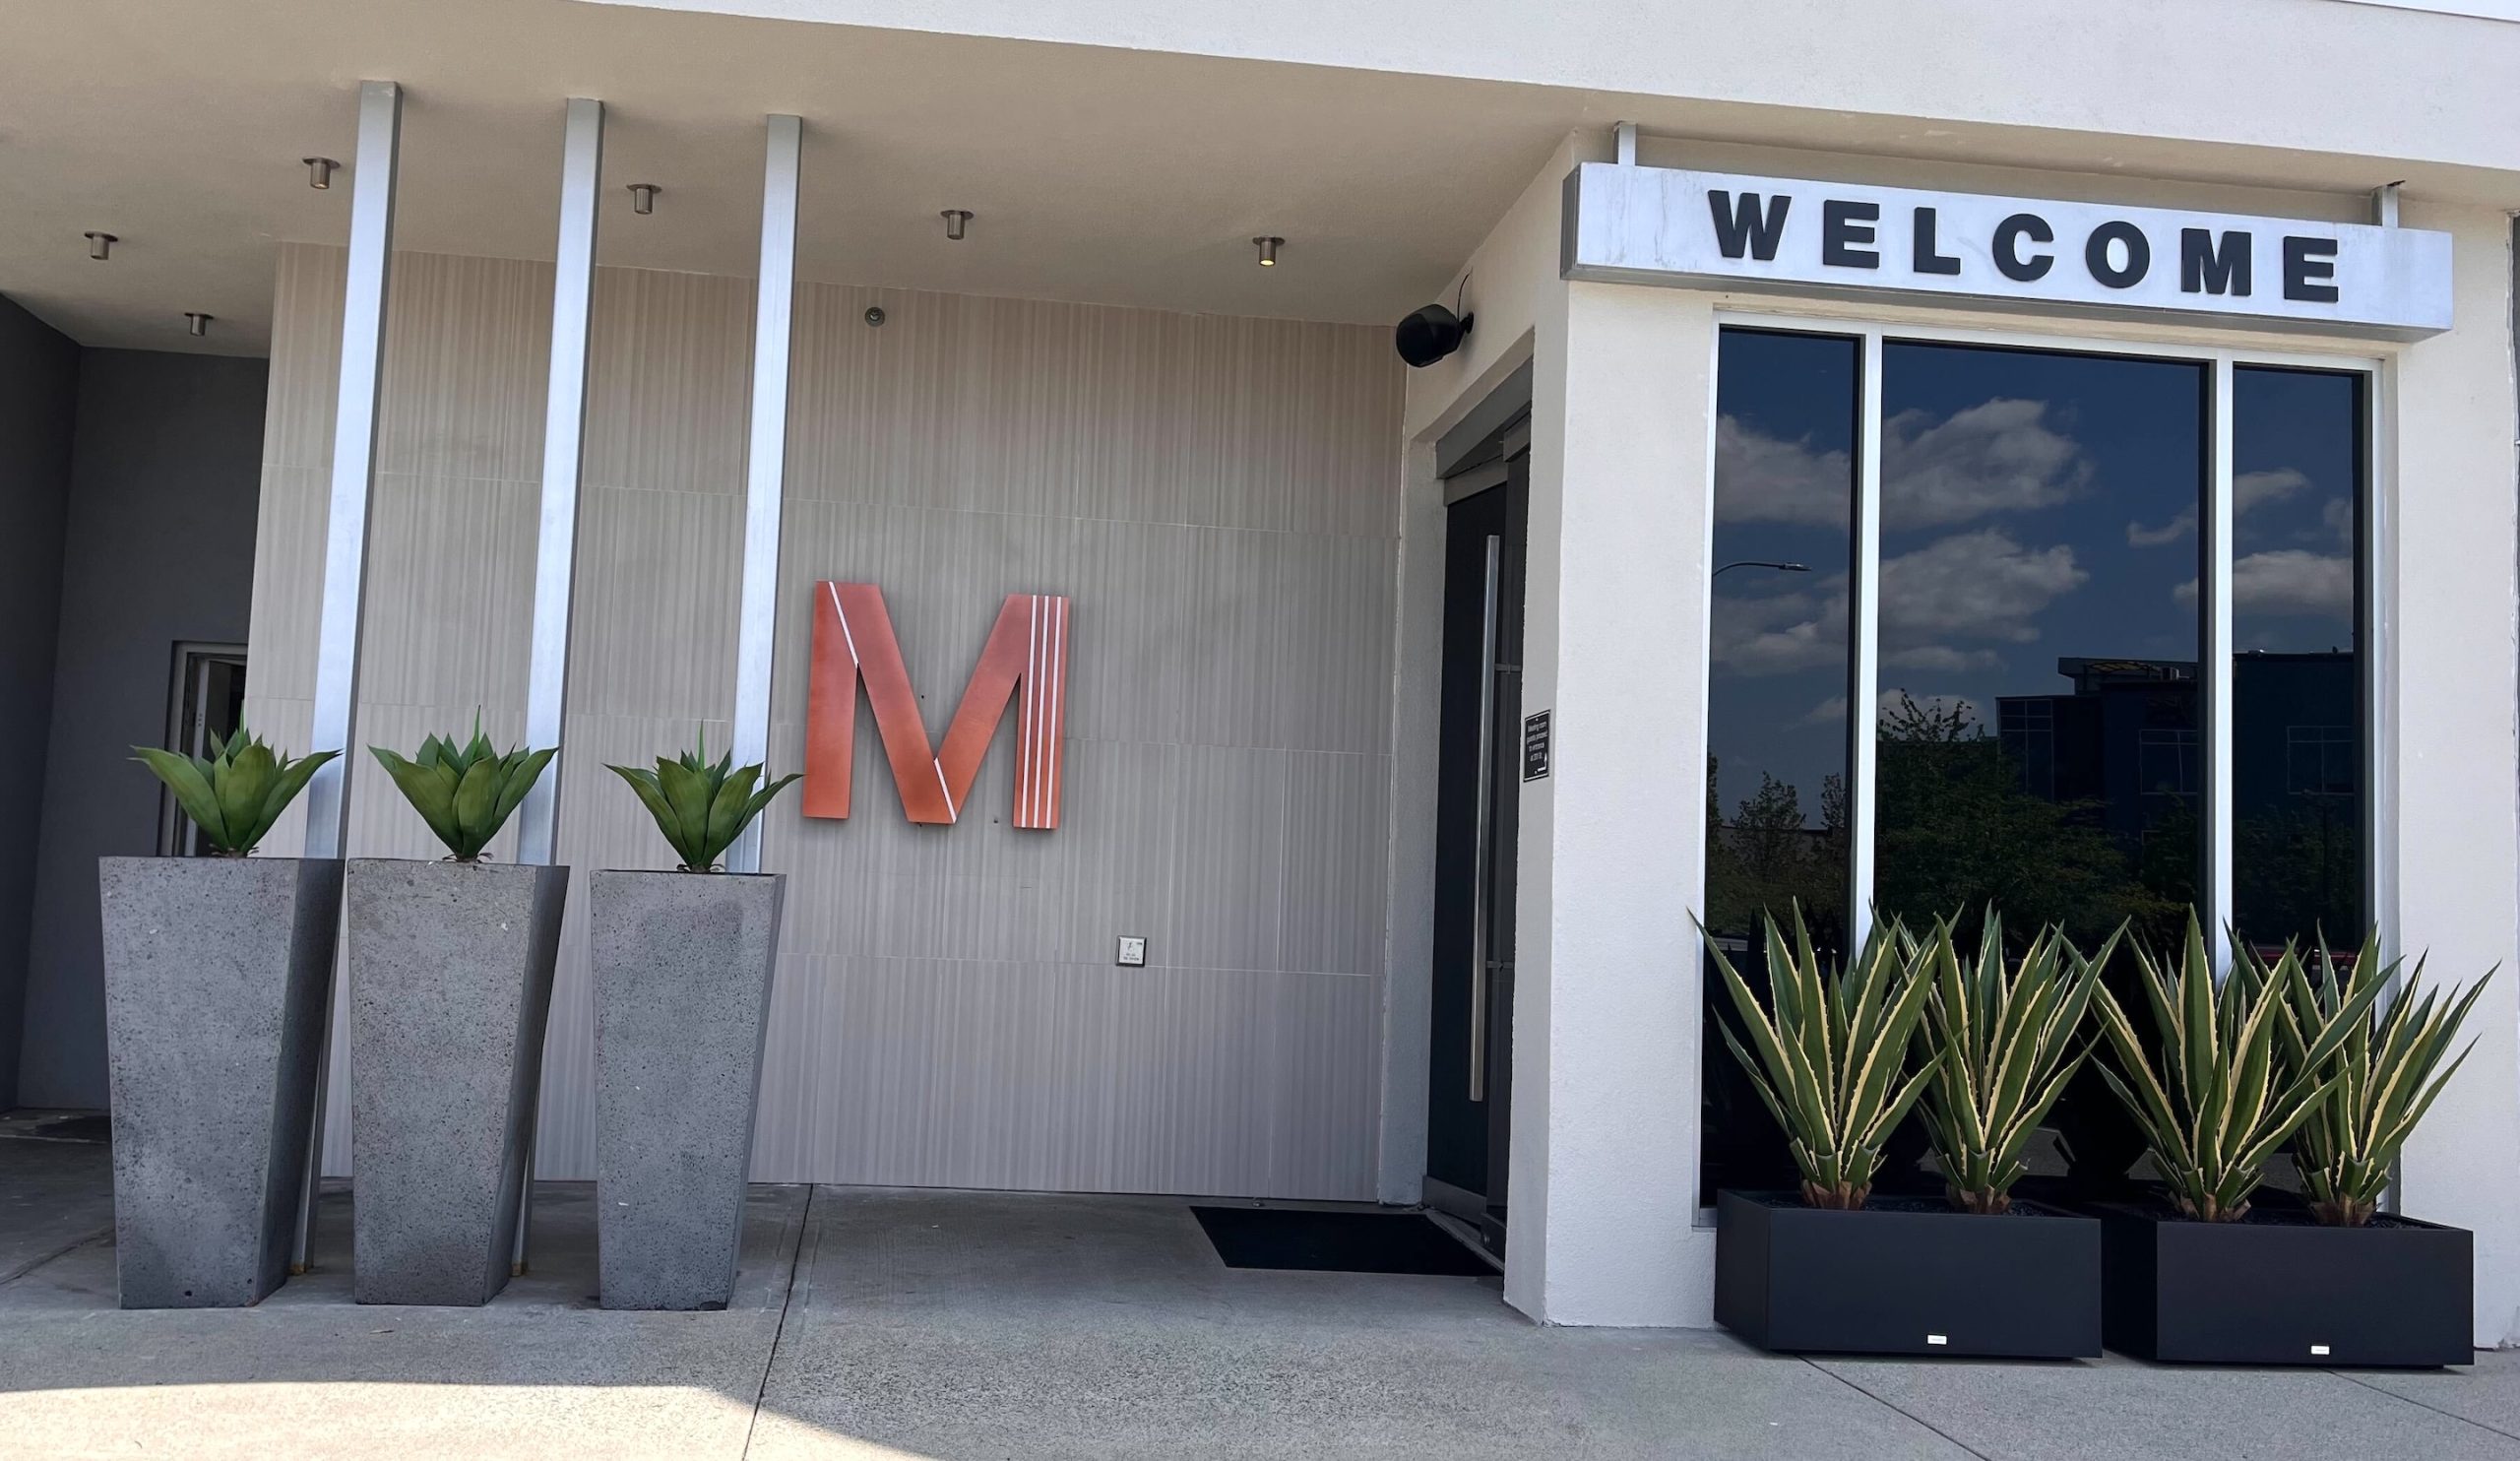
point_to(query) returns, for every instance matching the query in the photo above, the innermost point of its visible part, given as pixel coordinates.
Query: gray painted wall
(38, 394)
(159, 546)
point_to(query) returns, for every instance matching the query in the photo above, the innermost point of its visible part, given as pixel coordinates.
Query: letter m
(1750, 221)
(853, 644)
(2210, 267)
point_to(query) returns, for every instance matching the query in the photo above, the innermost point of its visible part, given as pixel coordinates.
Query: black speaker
(1430, 335)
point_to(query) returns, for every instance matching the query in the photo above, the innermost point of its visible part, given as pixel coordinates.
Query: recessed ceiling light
(1268, 246)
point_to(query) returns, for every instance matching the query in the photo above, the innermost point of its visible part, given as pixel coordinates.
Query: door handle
(1480, 895)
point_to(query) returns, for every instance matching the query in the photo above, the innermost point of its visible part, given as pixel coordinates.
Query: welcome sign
(1635, 225)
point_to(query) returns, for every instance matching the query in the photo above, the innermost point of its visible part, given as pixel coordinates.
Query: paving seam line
(2420, 1405)
(797, 1263)
(101, 1234)
(1896, 1409)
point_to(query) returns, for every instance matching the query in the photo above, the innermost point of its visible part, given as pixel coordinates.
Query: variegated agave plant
(2382, 1075)
(2240, 1071)
(2001, 1042)
(1829, 1052)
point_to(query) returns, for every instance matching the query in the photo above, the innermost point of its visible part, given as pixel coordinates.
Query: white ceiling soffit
(1112, 176)
(2484, 10)
(2306, 74)
(1128, 172)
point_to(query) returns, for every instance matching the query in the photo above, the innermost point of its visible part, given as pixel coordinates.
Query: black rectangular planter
(2287, 1292)
(2025, 1284)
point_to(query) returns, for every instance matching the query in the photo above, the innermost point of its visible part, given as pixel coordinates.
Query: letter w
(854, 642)
(1746, 221)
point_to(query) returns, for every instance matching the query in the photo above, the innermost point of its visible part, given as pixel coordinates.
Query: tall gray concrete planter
(450, 968)
(217, 974)
(682, 965)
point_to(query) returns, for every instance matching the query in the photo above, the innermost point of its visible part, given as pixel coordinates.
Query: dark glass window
(2039, 717)
(2296, 752)
(1785, 472)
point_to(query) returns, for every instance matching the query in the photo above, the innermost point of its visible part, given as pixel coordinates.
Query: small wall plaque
(1535, 745)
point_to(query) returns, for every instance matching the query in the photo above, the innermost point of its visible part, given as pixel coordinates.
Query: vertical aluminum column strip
(2379, 645)
(2214, 680)
(354, 408)
(380, 126)
(766, 461)
(555, 543)
(1864, 648)
(563, 442)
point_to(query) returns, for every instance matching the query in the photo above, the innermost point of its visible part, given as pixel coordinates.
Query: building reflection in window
(2297, 750)
(1785, 472)
(2039, 743)
(2039, 720)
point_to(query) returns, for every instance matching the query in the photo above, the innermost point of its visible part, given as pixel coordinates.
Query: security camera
(1430, 335)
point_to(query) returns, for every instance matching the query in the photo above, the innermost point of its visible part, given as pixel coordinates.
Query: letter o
(2139, 254)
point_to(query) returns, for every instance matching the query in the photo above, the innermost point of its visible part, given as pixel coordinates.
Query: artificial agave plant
(2240, 1071)
(1831, 1053)
(2382, 1075)
(2002, 1043)
(238, 792)
(464, 792)
(701, 806)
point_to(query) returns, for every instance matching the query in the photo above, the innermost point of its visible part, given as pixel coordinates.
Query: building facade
(1899, 455)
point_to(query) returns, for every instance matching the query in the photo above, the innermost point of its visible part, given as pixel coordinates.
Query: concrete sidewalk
(881, 1324)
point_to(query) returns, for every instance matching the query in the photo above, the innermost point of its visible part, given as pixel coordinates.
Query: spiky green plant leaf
(2002, 1039)
(2222, 1100)
(236, 794)
(701, 806)
(2381, 1077)
(1828, 1052)
(237, 791)
(466, 794)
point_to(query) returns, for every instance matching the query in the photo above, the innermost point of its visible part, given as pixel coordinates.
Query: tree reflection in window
(1776, 800)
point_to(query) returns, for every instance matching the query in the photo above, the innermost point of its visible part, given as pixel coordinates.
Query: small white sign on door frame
(1633, 224)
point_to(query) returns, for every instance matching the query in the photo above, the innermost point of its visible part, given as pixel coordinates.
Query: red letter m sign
(853, 643)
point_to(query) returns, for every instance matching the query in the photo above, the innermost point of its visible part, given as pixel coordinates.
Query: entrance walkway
(965, 1326)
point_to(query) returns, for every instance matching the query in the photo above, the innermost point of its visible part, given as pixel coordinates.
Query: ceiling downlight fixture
(319, 172)
(1268, 244)
(957, 222)
(643, 198)
(101, 246)
(196, 324)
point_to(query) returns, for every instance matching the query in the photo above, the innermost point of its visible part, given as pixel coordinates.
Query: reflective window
(2039, 737)
(2297, 757)
(2038, 744)
(1785, 475)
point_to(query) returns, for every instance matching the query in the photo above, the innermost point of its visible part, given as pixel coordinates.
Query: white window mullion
(2214, 675)
(2377, 642)
(1863, 647)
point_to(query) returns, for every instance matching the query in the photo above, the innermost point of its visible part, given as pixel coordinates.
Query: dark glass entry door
(1470, 1069)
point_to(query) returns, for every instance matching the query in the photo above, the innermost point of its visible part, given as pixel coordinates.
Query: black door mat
(1336, 1242)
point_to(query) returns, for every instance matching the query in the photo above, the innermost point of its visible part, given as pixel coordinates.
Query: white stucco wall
(2451, 697)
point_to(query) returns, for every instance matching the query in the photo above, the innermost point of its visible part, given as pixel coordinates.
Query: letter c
(2008, 236)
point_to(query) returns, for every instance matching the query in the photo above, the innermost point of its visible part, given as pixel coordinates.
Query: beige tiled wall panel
(1218, 495)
